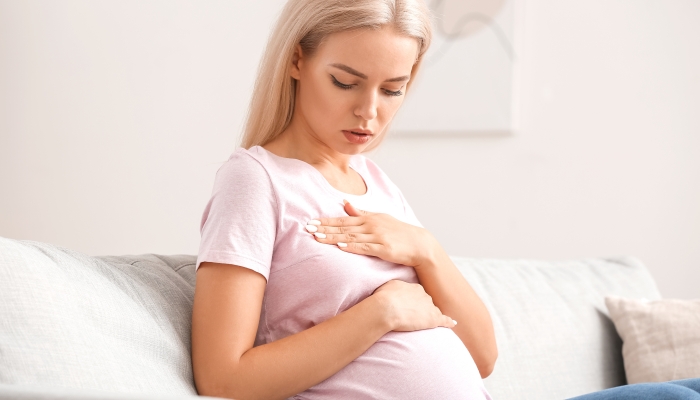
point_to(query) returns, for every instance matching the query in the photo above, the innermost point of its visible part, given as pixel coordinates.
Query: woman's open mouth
(357, 138)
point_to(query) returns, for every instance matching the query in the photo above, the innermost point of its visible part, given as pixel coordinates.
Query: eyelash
(346, 87)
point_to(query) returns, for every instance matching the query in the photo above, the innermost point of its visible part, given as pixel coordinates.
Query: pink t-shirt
(256, 219)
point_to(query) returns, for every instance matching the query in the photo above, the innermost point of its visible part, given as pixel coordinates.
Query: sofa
(74, 326)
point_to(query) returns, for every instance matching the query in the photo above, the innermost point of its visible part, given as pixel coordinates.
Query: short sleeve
(239, 223)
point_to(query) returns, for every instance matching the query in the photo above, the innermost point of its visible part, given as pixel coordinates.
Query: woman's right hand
(409, 308)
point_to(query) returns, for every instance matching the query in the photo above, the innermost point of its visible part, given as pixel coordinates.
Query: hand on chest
(313, 281)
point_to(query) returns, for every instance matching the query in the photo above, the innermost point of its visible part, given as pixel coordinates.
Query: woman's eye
(346, 87)
(340, 85)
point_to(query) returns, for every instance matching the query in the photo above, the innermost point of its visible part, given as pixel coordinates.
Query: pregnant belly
(425, 364)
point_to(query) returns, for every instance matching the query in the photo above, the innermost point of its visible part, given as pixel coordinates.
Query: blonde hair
(308, 23)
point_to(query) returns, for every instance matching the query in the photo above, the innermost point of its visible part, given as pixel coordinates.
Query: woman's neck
(334, 166)
(293, 143)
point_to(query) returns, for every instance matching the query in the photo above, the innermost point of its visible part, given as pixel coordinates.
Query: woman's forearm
(455, 297)
(285, 367)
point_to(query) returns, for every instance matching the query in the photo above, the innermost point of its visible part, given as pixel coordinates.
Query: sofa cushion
(119, 324)
(31, 392)
(660, 339)
(555, 338)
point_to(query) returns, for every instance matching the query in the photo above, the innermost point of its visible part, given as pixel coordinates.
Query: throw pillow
(660, 338)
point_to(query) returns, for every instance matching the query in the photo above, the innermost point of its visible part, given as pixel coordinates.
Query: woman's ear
(297, 60)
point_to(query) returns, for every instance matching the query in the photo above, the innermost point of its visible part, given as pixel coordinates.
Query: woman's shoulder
(385, 184)
(257, 157)
(250, 161)
(257, 167)
(369, 166)
(243, 169)
(245, 158)
(241, 163)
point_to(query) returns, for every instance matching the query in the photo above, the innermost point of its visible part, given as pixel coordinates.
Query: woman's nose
(367, 109)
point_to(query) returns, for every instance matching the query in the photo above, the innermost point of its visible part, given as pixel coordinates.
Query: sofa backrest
(122, 323)
(116, 324)
(555, 338)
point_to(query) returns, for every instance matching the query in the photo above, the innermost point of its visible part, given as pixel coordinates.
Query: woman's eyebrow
(363, 76)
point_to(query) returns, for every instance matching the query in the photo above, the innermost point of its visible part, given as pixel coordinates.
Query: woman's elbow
(489, 362)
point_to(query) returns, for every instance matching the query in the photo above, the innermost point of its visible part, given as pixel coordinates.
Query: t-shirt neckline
(322, 179)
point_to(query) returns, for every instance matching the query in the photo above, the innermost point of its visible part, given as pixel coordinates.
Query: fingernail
(455, 322)
(311, 228)
(341, 244)
(314, 222)
(320, 235)
(345, 201)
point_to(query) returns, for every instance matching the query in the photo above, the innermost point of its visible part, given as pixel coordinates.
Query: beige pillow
(660, 338)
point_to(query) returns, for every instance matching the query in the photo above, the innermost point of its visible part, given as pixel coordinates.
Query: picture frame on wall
(467, 84)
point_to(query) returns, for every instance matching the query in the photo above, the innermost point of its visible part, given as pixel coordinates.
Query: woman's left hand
(375, 234)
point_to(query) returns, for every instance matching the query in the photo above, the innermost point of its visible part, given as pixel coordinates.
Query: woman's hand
(409, 307)
(375, 234)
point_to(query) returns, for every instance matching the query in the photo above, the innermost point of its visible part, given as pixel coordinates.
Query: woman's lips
(356, 137)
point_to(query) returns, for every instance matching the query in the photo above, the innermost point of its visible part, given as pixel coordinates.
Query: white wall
(115, 115)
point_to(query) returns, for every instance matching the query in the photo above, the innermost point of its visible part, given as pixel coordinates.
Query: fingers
(361, 248)
(353, 211)
(448, 322)
(358, 243)
(352, 235)
(360, 228)
(341, 221)
(334, 238)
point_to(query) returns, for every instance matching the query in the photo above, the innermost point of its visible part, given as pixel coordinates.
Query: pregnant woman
(315, 280)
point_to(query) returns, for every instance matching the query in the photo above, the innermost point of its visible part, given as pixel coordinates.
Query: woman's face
(355, 81)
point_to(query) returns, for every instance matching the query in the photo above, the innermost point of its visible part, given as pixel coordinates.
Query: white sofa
(82, 327)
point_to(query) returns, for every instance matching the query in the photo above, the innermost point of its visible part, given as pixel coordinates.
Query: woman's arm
(225, 316)
(382, 235)
(453, 295)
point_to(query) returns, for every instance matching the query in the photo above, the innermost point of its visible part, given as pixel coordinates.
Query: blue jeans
(682, 389)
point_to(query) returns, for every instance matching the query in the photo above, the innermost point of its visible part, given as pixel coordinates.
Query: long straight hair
(308, 23)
